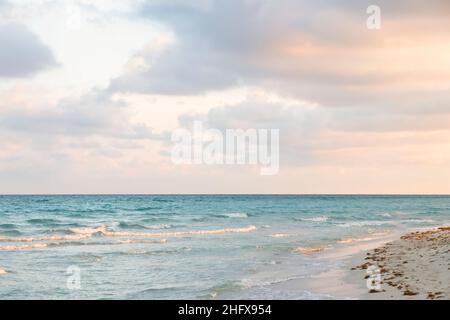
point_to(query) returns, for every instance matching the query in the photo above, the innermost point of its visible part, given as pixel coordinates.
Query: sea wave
(109, 233)
(133, 241)
(143, 209)
(380, 223)
(46, 238)
(315, 219)
(280, 235)
(420, 221)
(153, 252)
(307, 249)
(373, 236)
(153, 219)
(2, 272)
(24, 247)
(252, 282)
(86, 233)
(44, 245)
(127, 225)
(45, 221)
(385, 215)
(160, 226)
(363, 223)
(11, 232)
(7, 226)
(235, 215)
(89, 231)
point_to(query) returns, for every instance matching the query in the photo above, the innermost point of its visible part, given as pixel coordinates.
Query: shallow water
(183, 247)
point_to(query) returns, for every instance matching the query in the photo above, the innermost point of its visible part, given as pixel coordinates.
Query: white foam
(374, 236)
(236, 215)
(24, 247)
(315, 219)
(362, 224)
(2, 272)
(385, 214)
(177, 233)
(89, 231)
(255, 282)
(420, 221)
(132, 241)
(307, 250)
(75, 237)
(280, 235)
(46, 238)
(159, 226)
(85, 233)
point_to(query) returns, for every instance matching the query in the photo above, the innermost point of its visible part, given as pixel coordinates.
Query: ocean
(191, 246)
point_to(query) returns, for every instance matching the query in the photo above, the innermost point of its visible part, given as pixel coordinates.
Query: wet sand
(417, 266)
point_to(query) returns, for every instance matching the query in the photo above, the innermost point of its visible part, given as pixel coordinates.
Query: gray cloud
(307, 132)
(226, 43)
(94, 114)
(22, 53)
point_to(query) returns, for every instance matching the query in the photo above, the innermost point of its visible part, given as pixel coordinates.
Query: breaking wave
(141, 226)
(363, 223)
(315, 219)
(79, 234)
(385, 214)
(24, 247)
(75, 237)
(373, 236)
(103, 230)
(132, 241)
(307, 249)
(235, 215)
(280, 235)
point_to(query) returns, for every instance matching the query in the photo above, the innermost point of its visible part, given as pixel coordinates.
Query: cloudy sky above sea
(90, 92)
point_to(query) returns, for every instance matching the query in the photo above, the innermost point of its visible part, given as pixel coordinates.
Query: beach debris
(408, 292)
(413, 264)
(435, 295)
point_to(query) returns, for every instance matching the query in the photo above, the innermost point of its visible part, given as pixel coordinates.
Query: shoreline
(415, 266)
(336, 284)
(405, 266)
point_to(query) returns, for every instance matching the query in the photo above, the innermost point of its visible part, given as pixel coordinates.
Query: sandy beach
(416, 266)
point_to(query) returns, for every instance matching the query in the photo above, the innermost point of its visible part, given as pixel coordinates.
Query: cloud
(94, 114)
(377, 100)
(46, 146)
(22, 54)
(313, 135)
(319, 51)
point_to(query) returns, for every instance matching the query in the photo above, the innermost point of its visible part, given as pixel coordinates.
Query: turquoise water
(189, 247)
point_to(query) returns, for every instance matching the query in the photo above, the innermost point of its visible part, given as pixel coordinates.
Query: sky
(90, 92)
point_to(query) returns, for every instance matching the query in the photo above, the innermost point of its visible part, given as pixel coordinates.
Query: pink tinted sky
(91, 90)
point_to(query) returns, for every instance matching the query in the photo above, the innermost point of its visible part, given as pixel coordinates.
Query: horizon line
(224, 194)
